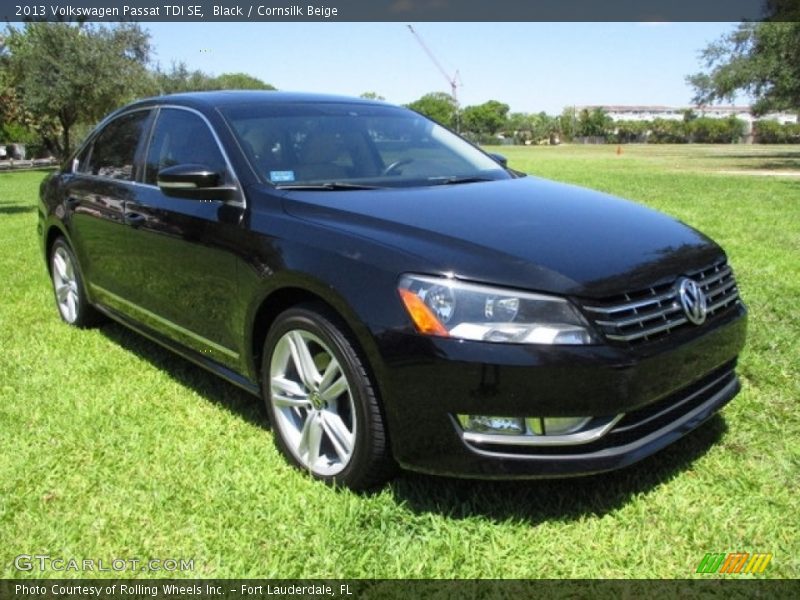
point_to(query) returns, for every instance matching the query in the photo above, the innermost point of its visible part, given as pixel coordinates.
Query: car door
(185, 249)
(102, 179)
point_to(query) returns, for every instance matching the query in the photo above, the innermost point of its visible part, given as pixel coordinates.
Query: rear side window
(113, 151)
(181, 137)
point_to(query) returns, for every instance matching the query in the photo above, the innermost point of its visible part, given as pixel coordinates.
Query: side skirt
(203, 361)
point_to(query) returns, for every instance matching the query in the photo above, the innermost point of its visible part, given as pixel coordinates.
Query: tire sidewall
(360, 388)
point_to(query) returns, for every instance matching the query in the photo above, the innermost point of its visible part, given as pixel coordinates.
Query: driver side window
(179, 138)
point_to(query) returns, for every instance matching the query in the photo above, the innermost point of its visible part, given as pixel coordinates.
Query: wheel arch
(283, 298)
(53, 233)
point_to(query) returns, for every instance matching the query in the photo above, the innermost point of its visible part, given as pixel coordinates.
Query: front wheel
(322, 404)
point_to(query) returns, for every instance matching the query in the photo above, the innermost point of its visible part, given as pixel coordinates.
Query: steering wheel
(395, 164)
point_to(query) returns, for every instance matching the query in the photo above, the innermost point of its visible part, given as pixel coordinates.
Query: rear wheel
(322, 404)
(68, 287)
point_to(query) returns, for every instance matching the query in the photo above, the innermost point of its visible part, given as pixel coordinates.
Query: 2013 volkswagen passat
(395, 295)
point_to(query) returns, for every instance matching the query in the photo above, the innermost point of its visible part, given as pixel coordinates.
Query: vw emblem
(693, 301)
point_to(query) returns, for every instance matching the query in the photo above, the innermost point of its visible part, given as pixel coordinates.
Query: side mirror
(195, 182)
(500, 159)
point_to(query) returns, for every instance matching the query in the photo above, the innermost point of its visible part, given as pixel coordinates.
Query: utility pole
(454, 81)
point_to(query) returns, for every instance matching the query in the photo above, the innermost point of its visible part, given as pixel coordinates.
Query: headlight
(451, 308)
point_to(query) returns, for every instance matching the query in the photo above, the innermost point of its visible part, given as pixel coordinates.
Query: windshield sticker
(280, 176)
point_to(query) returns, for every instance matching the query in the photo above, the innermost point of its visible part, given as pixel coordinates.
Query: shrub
(663, 131)
(772, 132)
(705, 130)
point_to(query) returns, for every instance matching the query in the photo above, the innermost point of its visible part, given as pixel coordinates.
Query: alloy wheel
(313, 403)
(65, 283)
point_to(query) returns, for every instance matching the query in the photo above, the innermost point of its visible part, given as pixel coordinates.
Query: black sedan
(394, 294)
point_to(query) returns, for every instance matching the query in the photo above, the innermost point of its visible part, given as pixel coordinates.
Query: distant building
(675, 113)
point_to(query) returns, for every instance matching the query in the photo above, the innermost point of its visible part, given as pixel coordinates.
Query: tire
(323, 407)
(68, 287)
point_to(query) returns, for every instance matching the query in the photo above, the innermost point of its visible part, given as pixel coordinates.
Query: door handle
(134, 219)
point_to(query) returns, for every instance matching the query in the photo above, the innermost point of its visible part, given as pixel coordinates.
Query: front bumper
(665, 389)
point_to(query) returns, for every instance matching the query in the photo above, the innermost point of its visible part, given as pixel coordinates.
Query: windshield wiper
(459, 180)
(328, 186)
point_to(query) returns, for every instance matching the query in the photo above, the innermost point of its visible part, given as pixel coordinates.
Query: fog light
(535, 426)
(528, 426)
(555, 425)
(563, 425)
(535, 431)
(488, 424)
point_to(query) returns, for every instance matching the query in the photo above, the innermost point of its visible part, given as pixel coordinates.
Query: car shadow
(15, 209)
(206, 384)
(531, 501)
(570, 499)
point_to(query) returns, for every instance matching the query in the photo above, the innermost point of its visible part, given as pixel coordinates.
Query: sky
(531, 67)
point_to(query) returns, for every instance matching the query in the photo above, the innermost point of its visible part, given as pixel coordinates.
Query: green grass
(111, 447)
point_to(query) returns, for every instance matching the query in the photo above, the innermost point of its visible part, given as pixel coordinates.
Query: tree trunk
(65, 141)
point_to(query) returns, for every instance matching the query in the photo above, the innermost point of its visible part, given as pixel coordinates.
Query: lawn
(111, 447)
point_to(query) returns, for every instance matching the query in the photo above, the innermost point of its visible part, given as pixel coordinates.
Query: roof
(237, 97)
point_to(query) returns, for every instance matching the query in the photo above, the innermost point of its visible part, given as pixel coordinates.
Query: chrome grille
(656, 311)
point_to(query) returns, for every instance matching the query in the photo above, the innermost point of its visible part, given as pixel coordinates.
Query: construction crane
(454, 81)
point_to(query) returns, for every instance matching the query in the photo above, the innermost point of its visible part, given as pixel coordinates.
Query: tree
(240, 81)
(16, 124)
(626, 132)
(519, 122)
(595, 123)
(372, 96)
(773, 132)
(531, 128)
(568, 122)
(8, 102)
(762, 59)
(688, 115)
(668, 131)
(64, 74)
(180, 79)
(545, 126)
(487, 118)
(437, 106)
(4, 62)
(705, 130)
(520, 126)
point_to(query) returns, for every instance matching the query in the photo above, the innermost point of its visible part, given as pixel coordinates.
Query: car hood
(528, 232)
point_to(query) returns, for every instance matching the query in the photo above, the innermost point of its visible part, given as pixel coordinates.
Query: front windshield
(354, 146)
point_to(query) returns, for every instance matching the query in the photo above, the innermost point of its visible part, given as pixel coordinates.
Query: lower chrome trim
(676, 405)
(602, 425)
(654, 440)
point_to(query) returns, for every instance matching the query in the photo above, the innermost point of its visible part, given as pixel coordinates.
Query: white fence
(36, 163)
